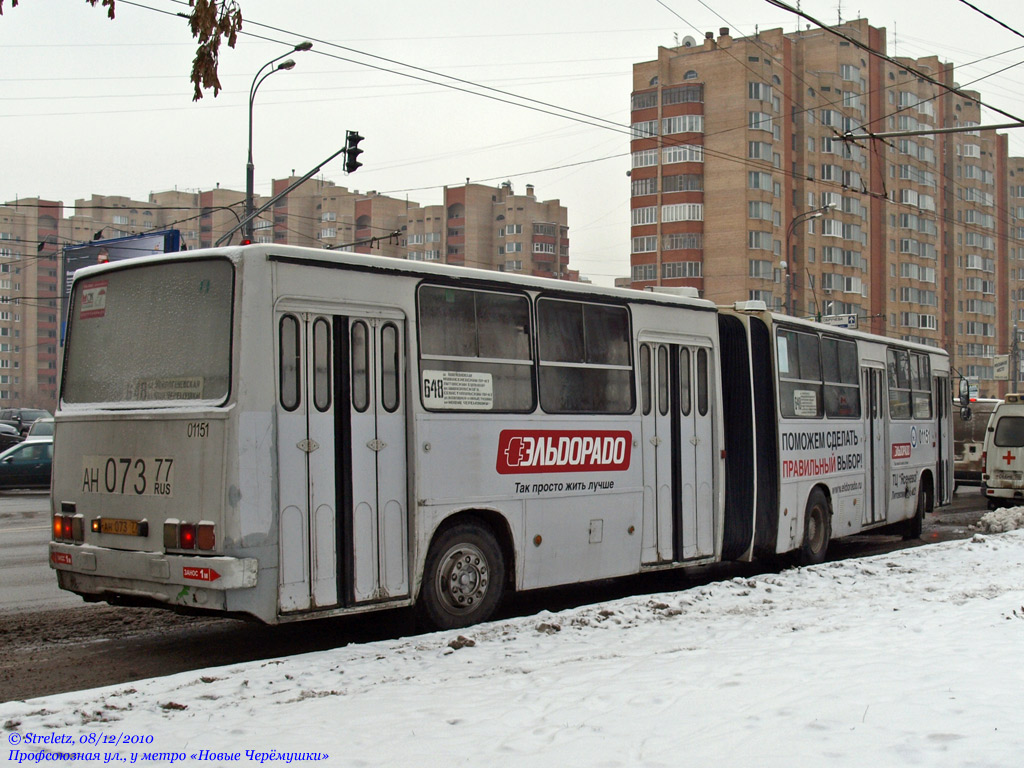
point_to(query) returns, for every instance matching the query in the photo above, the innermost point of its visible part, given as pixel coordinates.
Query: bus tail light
(171, 534)
(179, 534)
(68, 527)
(187, 536)
(206, 537)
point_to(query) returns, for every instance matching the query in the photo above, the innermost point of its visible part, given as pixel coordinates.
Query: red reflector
(187, 536)
(205, 537)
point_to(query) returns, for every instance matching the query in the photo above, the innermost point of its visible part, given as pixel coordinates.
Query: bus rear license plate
(121, 527)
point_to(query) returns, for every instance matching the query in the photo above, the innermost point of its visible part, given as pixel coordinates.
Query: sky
(93, 106)
(906, 658)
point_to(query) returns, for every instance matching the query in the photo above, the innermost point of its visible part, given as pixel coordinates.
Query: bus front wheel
(463, 579)
(817, 528)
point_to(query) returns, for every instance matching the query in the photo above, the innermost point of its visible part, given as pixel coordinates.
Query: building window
(686, 153)
(682, 212)
(683, 124)
(643, 272)
(759, 121)
(644, 187)
(645, 158)
(682, 94)
(677, 269)
(647, 244)
(646, 215)
(683, 182)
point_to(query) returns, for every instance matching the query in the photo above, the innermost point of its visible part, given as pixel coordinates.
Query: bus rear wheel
(912, 528)
(463, 578)
(817, 529)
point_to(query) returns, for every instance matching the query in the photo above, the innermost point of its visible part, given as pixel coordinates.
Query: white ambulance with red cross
(1002, 482)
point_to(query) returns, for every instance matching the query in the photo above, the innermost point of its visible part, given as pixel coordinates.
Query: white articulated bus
(846, 432)
(289, 433)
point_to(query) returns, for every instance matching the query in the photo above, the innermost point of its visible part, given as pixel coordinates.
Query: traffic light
(352, 151)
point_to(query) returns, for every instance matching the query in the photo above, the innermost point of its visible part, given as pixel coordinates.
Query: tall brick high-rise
(743, 188)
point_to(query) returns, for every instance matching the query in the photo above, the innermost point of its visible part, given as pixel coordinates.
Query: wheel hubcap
(816, 530)
(462, 579)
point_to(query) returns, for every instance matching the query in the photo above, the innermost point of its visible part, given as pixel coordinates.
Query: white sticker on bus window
(458, 391)
(805, 402)
(94, 299)
(783, 350)
(186, 388)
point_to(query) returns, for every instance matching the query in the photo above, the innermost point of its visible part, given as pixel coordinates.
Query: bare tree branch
(211, 21)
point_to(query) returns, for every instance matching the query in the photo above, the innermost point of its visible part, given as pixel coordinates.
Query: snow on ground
(909, 658)
(1000, 520)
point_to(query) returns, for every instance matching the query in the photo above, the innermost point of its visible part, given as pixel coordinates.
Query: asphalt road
(42, 627)
(26, 581)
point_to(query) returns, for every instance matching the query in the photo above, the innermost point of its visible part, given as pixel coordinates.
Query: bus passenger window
(702, 382)
(476, 350)
(898, 375)
(321, 364)
(389, 367)
(585, 357)
(921, 384)
(842, 383)
(685, 399)
(360, 367)
(800, 387)
(663, 398)
(288, 362)
(645, 378)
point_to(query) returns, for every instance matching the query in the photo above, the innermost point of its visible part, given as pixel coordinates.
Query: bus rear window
(156, 334)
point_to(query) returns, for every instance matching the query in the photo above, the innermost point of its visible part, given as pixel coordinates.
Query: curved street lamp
(256, 82)
(817, 213)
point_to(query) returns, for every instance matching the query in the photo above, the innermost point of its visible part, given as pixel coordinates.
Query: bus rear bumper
(173, 579)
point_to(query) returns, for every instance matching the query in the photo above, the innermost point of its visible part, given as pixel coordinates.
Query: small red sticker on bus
(60, 558)
(94, 299)
(522, 451)
(199, 574)
(901, 450)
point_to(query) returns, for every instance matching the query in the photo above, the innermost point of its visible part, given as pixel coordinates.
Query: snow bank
(907, 658)
(1001, 520)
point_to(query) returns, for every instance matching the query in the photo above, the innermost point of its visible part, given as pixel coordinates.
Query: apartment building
(476, 225)
(494, 228)
(31, 230)
(743, 187)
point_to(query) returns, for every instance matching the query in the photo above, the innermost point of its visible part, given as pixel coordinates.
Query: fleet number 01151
(131, 475)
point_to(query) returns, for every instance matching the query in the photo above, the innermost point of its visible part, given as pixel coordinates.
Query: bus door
(341, 460)
(942, 396)
(876, 496)
(308, 515)
(377, 514)
(677, 450)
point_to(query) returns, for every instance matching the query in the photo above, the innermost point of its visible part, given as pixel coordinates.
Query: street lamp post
(787, 264)
(256, 82)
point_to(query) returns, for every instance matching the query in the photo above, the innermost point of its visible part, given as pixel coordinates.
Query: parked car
(40, 428)
(22, 418)
(9, 436)
(27, 465)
